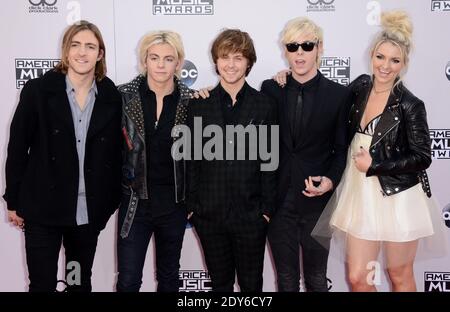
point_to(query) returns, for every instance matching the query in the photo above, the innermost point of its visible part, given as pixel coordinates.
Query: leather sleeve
(418, 155)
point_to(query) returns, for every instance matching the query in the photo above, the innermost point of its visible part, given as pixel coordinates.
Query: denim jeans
(131, 251)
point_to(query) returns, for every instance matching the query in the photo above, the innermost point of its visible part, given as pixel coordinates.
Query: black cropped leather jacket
(135, 164)
(401, 145)
(134, 169)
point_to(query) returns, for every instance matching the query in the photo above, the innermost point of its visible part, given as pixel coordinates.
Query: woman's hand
(362, 160)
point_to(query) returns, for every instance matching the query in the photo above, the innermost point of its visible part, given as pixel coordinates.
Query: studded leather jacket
(401, 145)
(134, 169)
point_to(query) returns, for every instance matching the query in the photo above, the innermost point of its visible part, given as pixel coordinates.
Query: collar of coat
(55, 82)
(133, 87)
(133, 108)
(365, 82)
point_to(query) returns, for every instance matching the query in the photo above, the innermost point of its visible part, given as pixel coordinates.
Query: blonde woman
(383, 202)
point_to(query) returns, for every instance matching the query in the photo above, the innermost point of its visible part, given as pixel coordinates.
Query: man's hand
(15, 219)
(281, 77)
(312, 191)
(202, 93)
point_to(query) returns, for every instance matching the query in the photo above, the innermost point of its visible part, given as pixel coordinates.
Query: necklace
(381, 91)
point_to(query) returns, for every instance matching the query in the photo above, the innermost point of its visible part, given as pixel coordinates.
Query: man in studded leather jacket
(154, 104)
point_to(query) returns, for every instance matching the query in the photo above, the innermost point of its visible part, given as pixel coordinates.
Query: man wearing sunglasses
(312, 113)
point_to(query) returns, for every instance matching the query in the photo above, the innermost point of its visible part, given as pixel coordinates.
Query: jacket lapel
(247, 107)
(183, 102)
(133, 108)
(101, 114)
(313, 112)
(390, 117)
(59, 104)
(215, 115)
(54, 85)
(359, 110)
(285, 130)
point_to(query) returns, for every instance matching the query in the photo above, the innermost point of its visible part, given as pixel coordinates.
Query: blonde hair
(302, 26)
(100, 66)
(396, 29)
(160, 37)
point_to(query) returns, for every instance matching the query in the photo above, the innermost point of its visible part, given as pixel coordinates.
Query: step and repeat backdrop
(31, 33)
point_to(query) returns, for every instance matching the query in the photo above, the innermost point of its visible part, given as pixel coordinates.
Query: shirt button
(388, 191)
(397, 189)
(396, 118)
(79, 141)
(379, 133)
(231, 142)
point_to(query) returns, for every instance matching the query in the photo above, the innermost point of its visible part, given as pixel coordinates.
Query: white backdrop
(32, 30)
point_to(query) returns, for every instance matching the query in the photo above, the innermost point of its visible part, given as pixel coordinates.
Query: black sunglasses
(307, 46)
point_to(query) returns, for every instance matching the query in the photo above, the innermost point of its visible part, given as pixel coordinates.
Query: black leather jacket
(401, 145)
(134, 170)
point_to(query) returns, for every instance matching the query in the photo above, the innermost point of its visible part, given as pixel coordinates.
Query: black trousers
(233, 247)
(43, 244)
(288, 231)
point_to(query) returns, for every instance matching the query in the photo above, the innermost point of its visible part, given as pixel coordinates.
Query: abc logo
(189, 73)
(447, 70)
(446, 215)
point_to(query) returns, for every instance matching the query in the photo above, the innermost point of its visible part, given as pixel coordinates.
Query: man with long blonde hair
(64, 159)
